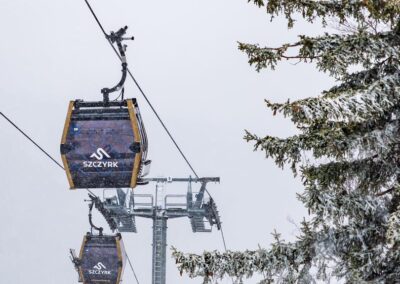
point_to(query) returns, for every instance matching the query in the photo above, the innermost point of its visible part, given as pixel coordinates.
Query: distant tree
(351, 134)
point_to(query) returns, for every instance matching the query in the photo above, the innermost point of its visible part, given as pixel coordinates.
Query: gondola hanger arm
(117, 37)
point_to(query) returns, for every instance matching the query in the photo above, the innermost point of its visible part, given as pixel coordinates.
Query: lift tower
(120, 208)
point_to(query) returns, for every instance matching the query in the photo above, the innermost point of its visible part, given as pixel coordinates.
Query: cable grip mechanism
(117, 37)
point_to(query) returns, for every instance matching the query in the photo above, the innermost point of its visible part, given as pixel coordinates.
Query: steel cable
(151, 106)
(141, 91)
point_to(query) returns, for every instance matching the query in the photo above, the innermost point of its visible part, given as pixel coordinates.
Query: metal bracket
(117, 37)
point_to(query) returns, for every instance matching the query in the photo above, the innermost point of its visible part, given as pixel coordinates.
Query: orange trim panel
(135, 127)
(63, 140)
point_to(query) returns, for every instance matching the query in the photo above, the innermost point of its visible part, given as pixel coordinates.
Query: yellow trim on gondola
(136, 133)
(63, 140)
(119, 253)
(80, 257)
(66, 125)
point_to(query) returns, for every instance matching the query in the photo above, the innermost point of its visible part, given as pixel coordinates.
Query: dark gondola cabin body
(101, 259)
(102, 144)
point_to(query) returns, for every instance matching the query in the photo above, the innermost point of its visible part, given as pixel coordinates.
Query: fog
(185, 57)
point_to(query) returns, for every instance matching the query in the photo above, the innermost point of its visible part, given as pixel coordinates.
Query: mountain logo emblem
(99, 266)
(99, 154)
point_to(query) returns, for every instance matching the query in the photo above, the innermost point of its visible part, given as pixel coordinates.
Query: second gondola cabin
(101, 259)
(104, 145)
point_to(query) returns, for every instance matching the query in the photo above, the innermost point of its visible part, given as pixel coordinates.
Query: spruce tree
(351, 133)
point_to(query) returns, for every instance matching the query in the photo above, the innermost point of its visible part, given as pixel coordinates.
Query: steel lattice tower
(121, 209)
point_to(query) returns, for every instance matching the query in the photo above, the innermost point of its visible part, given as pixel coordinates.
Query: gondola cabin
(104, 144)
(101, 259)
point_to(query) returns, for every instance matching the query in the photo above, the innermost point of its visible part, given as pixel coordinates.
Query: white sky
(186, 59)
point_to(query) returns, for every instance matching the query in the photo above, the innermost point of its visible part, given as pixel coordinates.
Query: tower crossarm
(189, 179)
(144, 213)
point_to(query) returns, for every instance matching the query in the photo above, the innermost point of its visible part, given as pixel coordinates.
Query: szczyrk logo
(99, 154)
(99, 266)
(99, 269)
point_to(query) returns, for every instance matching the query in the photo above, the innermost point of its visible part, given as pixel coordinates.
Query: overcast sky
(186, 59)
